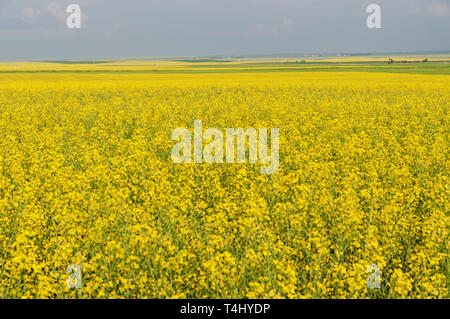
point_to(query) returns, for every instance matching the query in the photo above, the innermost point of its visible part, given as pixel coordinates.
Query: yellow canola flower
(86, 179)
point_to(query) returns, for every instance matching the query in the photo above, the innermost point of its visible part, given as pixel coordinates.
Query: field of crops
(87, 179)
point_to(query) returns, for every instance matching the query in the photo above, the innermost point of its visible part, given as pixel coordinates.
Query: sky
(36, 29)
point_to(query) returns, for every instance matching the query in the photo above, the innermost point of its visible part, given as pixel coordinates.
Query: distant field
(435, 65)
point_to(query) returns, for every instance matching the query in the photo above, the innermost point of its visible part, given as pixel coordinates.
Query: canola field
(86, 178)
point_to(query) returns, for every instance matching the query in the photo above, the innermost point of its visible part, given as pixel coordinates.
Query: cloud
(53, 9)
(439, 9)
(28, 14)
(288, 24)
(261, 30)
(426, 7)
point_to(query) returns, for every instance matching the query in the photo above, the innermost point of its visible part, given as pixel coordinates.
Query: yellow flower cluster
(86, 178)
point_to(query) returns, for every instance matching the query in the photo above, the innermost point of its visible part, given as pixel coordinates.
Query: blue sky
(112, 28)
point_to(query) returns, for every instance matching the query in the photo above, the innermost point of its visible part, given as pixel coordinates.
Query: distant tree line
(392, 61)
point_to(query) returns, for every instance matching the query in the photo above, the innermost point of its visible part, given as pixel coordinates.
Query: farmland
(86, 179)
